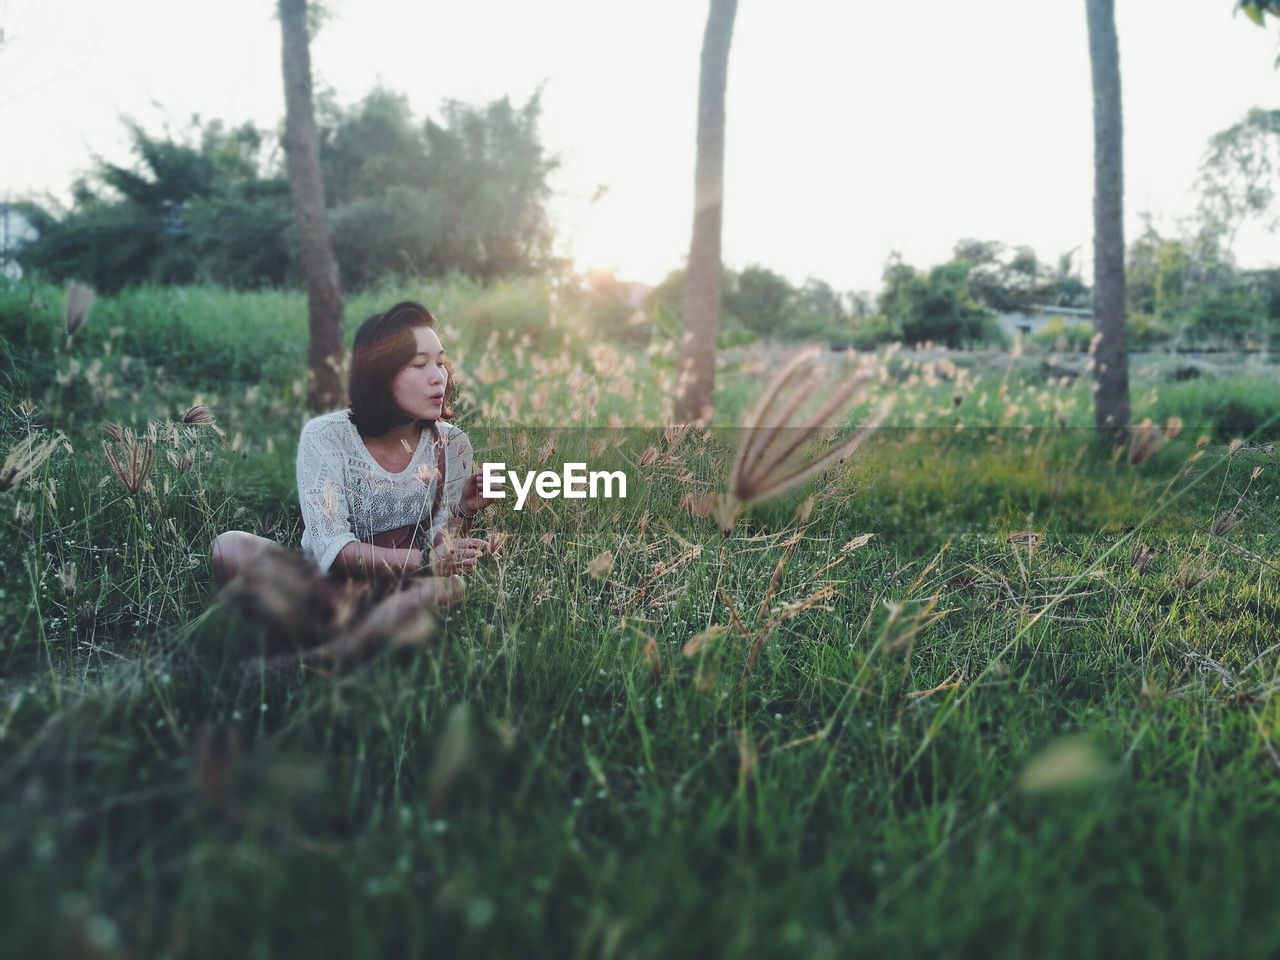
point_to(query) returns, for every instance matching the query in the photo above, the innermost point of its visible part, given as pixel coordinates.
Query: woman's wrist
(462, 512)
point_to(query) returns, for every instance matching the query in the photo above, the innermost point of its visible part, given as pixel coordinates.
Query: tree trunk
(702, 293)
(1111, 359)
(302, 157)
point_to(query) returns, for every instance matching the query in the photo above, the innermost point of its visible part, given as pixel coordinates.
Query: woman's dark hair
(383, 347)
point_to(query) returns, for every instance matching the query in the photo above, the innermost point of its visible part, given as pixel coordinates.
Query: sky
(855, 129)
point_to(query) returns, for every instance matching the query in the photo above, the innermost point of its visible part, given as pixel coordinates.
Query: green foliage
(762, 300)
(934, 306)
(1013, 280)
(1229, 319)
(1237, 176)
(1059, 333)
(759, 302)
(211, 205)
(467, 195)
(1224, 408)
(1190, 287)
(1145, 331)
(195, 206)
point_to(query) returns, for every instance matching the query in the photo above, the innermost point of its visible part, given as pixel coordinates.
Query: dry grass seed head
(130, 458)
(25, 457)
(76, 307)
(769, 460)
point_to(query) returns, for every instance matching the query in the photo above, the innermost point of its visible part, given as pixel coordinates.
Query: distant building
(15, 230)
(1031, 322)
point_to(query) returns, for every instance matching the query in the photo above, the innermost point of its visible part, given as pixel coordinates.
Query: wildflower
(78, 303)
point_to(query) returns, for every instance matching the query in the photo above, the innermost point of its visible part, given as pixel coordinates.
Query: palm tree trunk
(702, 293)
(1111, 359)
(302, 157)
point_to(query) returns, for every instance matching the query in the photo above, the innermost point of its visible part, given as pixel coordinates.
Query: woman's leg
(233, 550)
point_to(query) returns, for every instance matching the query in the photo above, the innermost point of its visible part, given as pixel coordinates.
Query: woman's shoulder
(333, 427)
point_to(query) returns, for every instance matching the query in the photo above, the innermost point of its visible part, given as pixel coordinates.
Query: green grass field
(996, 727)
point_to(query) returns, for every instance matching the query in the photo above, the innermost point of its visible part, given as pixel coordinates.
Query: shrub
(1061, 334)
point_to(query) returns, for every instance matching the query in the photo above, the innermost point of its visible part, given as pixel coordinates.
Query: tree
(1237, 176)
(934, 306)
(702, 297)
(302, 157)
(1111, 400)
(761, 299)
(467, 194)
(193, 206)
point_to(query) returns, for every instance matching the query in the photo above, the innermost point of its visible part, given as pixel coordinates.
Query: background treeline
(467, 195)
(211, 204)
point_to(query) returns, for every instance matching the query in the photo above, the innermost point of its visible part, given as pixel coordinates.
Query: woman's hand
(472, 502)
(456, 555)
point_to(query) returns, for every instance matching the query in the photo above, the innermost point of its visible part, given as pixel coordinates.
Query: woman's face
(418, 389)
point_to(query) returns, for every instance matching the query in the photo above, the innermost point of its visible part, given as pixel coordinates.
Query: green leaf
(665, 322)
(1252, 12)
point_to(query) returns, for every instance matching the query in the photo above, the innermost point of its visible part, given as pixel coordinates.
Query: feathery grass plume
(601, 566)
(76, 307)
(130, 457)
(769, 460)
(1140, 558)
(1191, 576)
(25, 457)
(1227, 522)
(1146, 439)
(198, 415)
(67, 574)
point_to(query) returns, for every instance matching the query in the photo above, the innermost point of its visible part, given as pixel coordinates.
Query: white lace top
(347, 496)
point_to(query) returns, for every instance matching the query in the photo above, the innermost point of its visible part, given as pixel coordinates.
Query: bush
(1245, 407)
(1146, 330)
(1063, 335)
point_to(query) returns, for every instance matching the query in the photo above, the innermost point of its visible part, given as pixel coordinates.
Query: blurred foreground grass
(1034, 712)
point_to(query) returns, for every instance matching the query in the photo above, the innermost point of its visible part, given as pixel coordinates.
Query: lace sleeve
(458, 460)
(323, 498)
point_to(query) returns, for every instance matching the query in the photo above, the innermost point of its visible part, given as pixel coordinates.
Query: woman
(387, 487)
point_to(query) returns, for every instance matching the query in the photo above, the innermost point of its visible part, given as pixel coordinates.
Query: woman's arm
(367, 562)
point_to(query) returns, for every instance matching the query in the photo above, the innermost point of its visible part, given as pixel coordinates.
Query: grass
(972, 742)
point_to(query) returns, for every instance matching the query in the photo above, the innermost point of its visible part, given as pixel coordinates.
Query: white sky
(855, 127)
